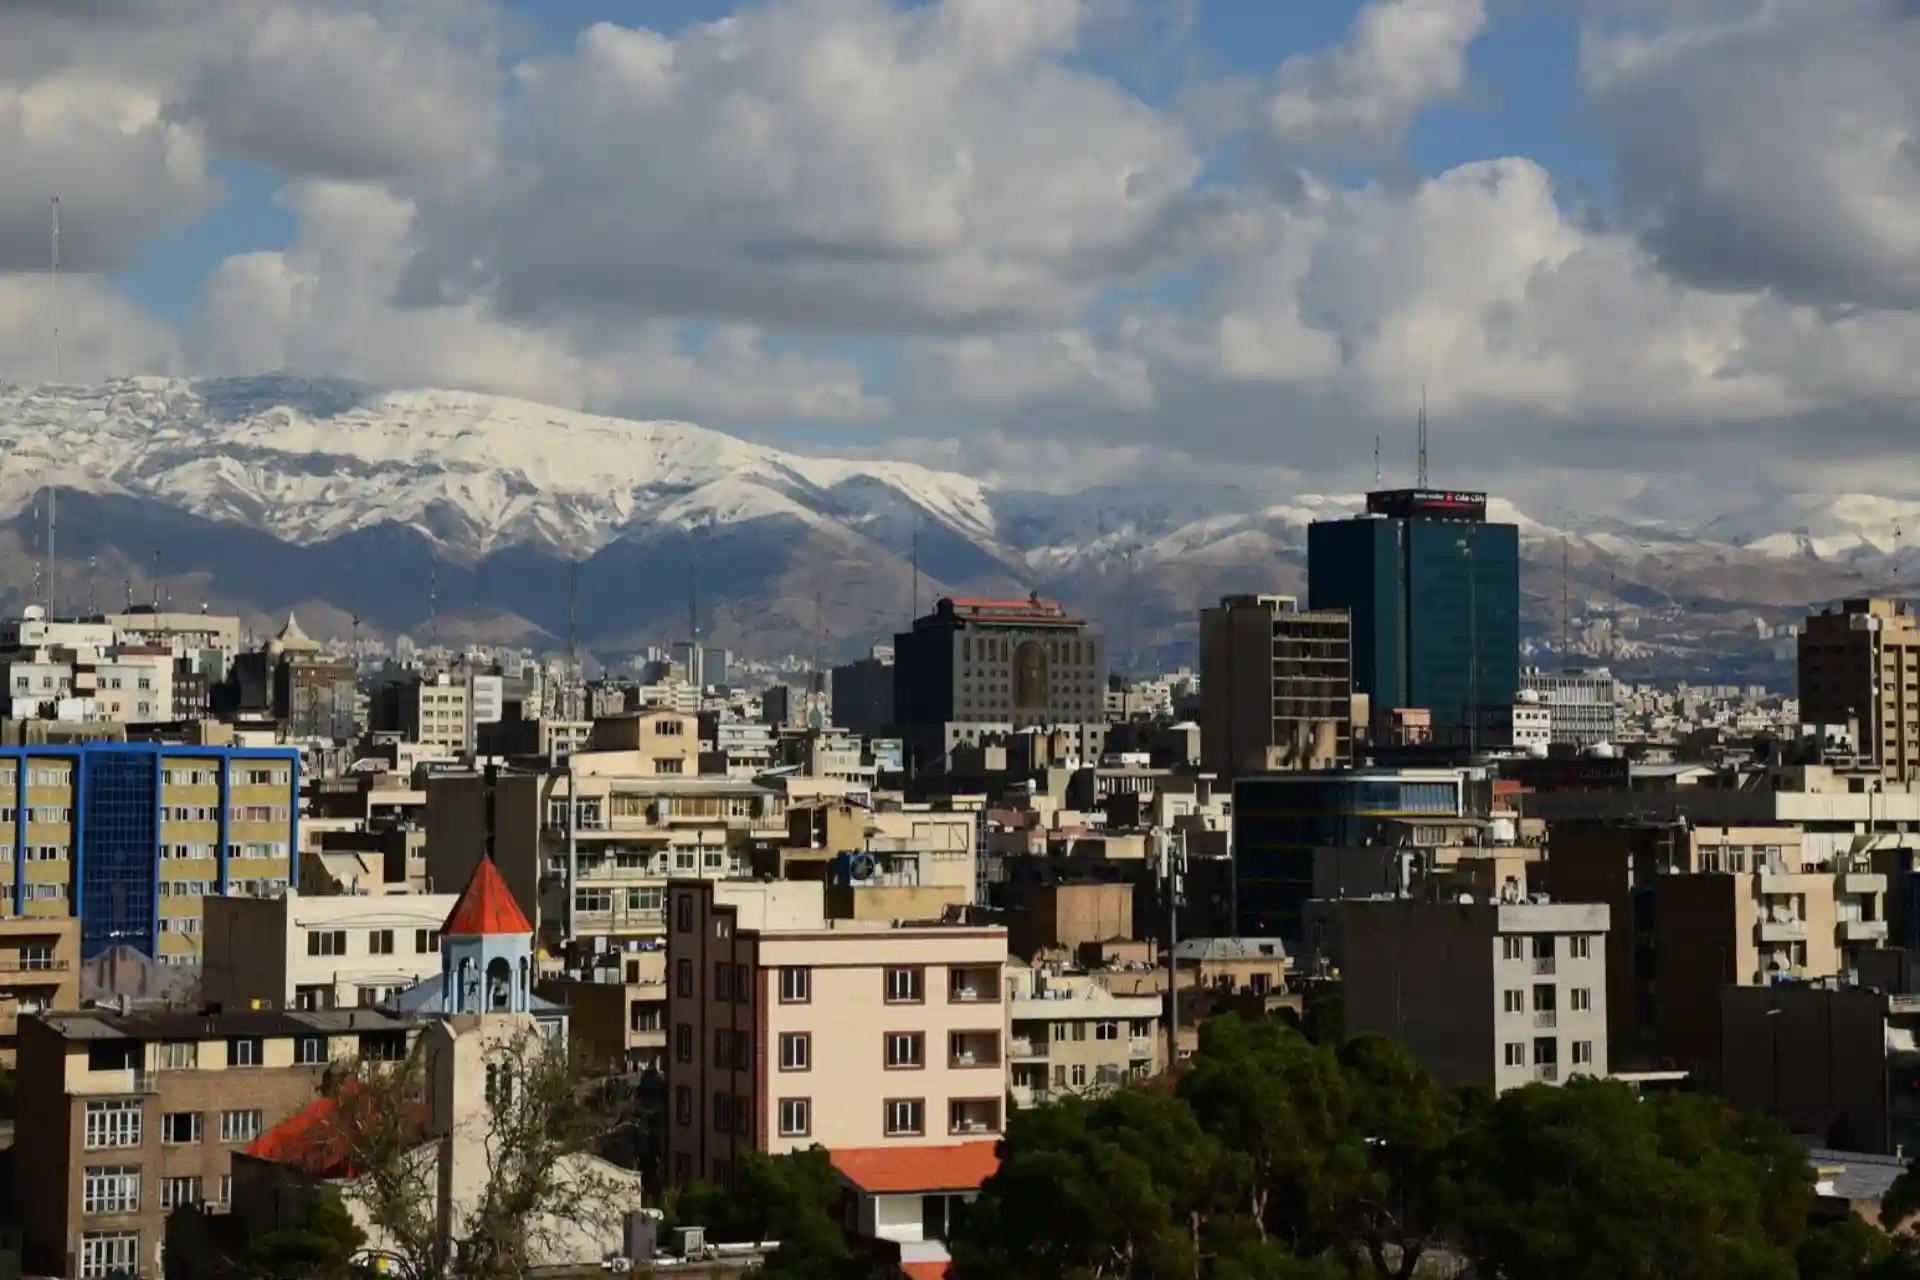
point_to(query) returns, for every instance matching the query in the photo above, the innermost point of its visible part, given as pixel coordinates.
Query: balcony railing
(973, 989)
(1782, 930)
(13, 964)
(1027, 1048)
(1863, 930)
(1547, 1072)
(1140, 1046)
(1543, 964)
(1545, 1018)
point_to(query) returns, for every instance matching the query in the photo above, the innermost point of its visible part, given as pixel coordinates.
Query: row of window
(380, 942)
(1579, 1000)
(117, 1122)
(1546, 1053)
(903, 1050)
(645, 901)
(1514, 947)
(902, 1117)
(116, 1189)
(202, 813)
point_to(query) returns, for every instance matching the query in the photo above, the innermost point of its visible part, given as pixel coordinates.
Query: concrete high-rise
(1276, 686)
(1433, 589)
(1860, 665)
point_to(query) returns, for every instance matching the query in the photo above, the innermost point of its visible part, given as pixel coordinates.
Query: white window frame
(240, 1126)
(803, 1059)
(112, 1123)
(906, 1117)
(103, 1253)
(113, 1188)
(796, 1117)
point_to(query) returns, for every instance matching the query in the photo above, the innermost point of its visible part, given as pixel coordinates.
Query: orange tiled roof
(487, 906)
(963, 1166)
(313, 1138)
(924, 1270)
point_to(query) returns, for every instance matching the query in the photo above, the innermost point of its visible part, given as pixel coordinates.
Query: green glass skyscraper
(1434, 593)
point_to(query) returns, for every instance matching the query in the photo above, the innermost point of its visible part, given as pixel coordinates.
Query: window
(380, 942)
(327, 942)
(796, 985)
(1580, 1000)
(905, 1050)
(796, 1051)
(245, 1051)
(905, 1117)
(1079, 1074)
(591, 900)
(426, 941)
(382, 1046)
(113, 1123)
(180, 1128)
(1582, 1053)
(1106, 1029)
(309, 1051)
(36, 959)
(176, 1193)
(1510, 949)
(1516, 1001)
(643, 901)
(683, 976)
(796, 1117)
(683, 913)
(1516, 1055)
(722, 981)
(107, 1253)
(111, 1189)
(1543, 946)
(683, 1043)
(683, 1105)
(723, 1112)
(1059, 1031)
(224, 1195)
(1580, 947)
(723, 1049)
(1139, 1028)
(905, 986)
(239, 1126)
(179, 1055)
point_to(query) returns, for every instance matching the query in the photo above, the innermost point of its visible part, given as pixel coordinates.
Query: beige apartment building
(301, 952)
(1276, 686)
(835, 1034)
(592, 844)
(125, 1117)
(39, 973)
(1699, 907)
(1068, 1034)
(1499, 993)
(616, 1014)
(1860, 666)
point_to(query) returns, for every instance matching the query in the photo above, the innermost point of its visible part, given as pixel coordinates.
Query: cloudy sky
(1636, 251)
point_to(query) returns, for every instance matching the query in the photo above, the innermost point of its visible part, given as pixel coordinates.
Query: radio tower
(53, 490)
(1420, 472)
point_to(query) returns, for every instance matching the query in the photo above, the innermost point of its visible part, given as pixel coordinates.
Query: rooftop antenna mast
(433, 600)
(573, 616)
(916, 569)
(156, 581)
(53, 490)
(1420, 476)
(1566, 606)
(1376, 459)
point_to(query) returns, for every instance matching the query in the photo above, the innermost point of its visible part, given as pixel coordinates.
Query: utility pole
(1176, 864)
(53, 490)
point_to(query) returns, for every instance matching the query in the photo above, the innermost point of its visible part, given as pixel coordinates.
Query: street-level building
(125, 1117)
(1068, 1035)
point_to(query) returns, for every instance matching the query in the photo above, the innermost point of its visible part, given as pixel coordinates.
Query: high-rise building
(1434, 592)
(1860, 665)
(863, 693)
(973, 668)
(129, 837)
(1276, 686)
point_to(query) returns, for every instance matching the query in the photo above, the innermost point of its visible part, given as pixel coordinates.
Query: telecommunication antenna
(1376, 459)
(93, 581)
(1420, 475)
(53, 490)
(1896, 557)
(916, 569)
(156, 581)
(433, 599)
(1566, 607)
(573, 612)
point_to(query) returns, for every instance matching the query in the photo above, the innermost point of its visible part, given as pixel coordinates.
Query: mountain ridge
(486, 496)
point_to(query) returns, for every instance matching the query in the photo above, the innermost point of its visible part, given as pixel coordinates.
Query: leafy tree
(1591, 1182)
(793, 1199)
(320, 1246)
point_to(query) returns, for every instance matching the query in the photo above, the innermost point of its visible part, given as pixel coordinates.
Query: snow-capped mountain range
(352, 487)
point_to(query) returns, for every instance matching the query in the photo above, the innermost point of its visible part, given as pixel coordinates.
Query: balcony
(1023, 1050)
(1546, 1072)
(15, 969)
(1140, 1046)
(114, 1083)
(1782, 930)
(1863, 882)
(973, 1116)
(1029, 1095)
(1863, 930)
(1544, 964)
(973, 1049)
(1546, 1018)
(980, 985)
(1780, 882)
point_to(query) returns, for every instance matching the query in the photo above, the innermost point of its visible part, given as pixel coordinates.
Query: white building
(299, 952)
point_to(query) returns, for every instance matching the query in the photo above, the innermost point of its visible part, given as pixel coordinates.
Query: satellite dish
(862, 866)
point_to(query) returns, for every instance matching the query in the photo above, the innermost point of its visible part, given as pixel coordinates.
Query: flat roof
(191, 1024)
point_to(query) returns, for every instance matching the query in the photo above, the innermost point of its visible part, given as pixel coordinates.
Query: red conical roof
(487, 906)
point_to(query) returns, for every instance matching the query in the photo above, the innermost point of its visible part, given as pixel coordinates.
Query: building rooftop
(962, 1166)
(204, 1024)
(1229, 949)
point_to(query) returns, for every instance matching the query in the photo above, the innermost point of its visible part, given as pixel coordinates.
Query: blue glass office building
(1280, 819)
(128, 837)
(1434, 593)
